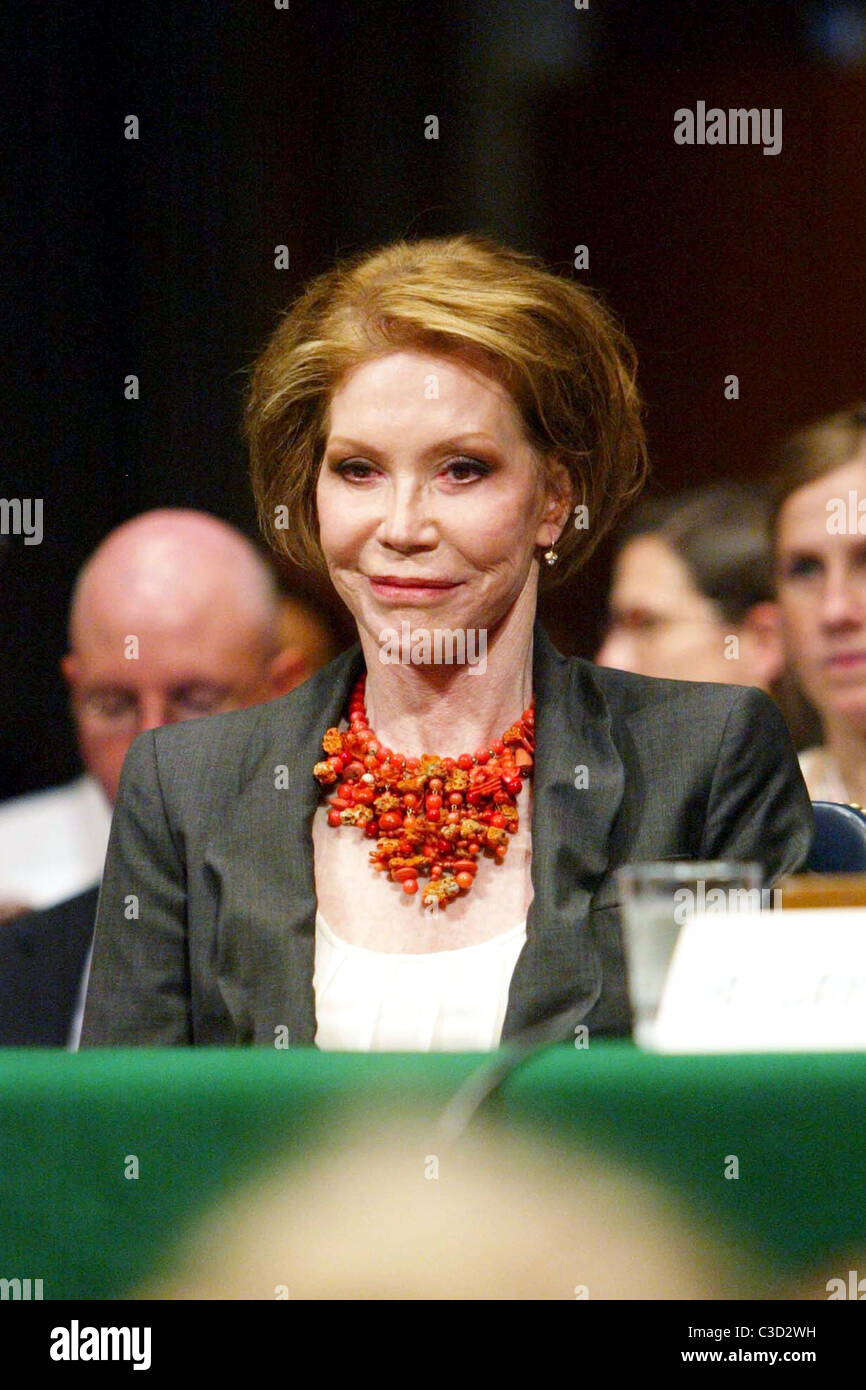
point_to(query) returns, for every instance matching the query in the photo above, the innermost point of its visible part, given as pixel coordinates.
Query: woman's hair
(720, 533)
(568, 366)
(814, 451)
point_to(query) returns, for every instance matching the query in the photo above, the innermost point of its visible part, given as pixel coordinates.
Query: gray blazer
(206, 920)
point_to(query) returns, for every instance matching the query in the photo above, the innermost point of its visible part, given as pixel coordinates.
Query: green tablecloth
(200, 1120)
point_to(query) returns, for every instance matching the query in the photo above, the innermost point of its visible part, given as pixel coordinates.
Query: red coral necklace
(430, 816)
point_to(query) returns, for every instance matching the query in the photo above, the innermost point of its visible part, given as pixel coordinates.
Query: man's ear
(762, 629)
(290, 667)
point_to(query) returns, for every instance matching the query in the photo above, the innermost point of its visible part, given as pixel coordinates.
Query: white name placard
(767, 982)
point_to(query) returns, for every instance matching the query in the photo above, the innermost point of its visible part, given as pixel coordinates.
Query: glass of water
(657, 900)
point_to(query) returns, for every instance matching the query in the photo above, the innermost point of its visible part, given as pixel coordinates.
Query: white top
(53, 843)
(823, 776)
(437, 1001)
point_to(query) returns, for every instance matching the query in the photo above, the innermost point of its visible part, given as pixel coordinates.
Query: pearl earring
(551, 556)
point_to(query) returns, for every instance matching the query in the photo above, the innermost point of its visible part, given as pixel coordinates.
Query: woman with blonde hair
(415, 848)
(819, 529)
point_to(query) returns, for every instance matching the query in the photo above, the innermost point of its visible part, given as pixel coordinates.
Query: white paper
(767, 982)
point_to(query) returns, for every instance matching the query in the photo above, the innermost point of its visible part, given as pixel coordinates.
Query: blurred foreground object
(498, 1216)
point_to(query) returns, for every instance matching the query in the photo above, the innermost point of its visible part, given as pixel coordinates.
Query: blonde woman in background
(819, 525)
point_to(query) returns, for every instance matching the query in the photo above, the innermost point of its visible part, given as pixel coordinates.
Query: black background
(305, 127)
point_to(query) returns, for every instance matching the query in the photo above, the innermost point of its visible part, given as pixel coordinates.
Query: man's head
(175, 615)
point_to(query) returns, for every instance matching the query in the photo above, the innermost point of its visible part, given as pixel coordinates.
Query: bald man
(174, 616)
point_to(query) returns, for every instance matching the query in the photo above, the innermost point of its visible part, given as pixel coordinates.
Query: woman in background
(693, 597)
(818, 517)
(692, 590)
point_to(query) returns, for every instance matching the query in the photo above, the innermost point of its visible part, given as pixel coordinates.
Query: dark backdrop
(305, 127)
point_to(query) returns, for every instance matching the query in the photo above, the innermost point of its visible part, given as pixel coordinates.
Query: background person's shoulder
(628, 694)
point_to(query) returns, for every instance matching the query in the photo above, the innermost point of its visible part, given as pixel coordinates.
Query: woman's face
(427, 475)
(662, 625)
(821, 582)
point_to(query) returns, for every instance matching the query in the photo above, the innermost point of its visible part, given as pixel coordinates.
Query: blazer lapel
(263, 864)
(263, 859)
(578, 784)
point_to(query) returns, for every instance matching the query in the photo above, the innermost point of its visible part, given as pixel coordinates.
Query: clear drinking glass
(657, 899)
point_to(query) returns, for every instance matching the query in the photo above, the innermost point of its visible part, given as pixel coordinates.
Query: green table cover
(200, 1120)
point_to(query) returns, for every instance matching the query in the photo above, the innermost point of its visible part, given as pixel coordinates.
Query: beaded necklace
(431, 817)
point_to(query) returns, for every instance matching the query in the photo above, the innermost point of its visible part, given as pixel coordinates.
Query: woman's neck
(846, 744)
(418, 708)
